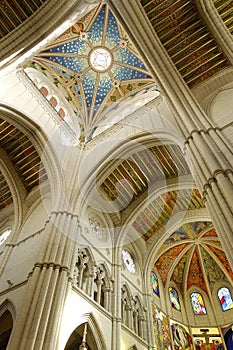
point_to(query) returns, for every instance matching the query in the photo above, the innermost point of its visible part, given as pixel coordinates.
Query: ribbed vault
(193, 256)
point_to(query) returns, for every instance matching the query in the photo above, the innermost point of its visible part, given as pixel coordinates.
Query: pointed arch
(225, 298)
(95, 336)
(174, 298)
(7, 317)
(198, 304)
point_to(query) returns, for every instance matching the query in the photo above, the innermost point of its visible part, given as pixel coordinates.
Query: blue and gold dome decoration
(95, 63)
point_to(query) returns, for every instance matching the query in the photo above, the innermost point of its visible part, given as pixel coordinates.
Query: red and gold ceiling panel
(195, 273)
(159, 211)
(221, 256)
(186, 37)
(199, 262)
(165, 261)
(178, 272)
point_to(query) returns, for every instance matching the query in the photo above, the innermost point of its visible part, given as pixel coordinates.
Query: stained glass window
(4, 236)
(224, 296)
(198, 304)
(174, 298)
(155, 283)
(128, 261)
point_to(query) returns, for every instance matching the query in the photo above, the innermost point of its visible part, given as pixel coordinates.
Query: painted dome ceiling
(193, 256)
(94, 65)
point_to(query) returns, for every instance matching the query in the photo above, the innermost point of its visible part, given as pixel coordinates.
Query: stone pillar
(37, 323)
(149, 329)
(209, 151)
(116, 301)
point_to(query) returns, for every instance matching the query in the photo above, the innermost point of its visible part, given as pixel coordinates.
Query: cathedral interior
(116, 154)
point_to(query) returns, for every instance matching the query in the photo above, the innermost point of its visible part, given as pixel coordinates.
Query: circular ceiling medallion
(100, 59)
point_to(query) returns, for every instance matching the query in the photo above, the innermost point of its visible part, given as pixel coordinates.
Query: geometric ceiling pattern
(134, 176)
(13, 13)
(224, 9)
(23, 156)
(193, 256)
(186, 38)
(158, 213)
(94, 65)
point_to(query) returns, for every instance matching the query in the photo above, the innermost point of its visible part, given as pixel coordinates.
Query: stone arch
(7, 317)
(94, 336)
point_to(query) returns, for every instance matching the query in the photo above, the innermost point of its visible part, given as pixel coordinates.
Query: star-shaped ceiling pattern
(95, 65)
(193, 256)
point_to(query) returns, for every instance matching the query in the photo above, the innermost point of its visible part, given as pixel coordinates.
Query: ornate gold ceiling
(13, 13)
(225, 10)
(93, 65)
(135, 175)
(157, 214)
(193, 256)
(186, 37)
(23, 156)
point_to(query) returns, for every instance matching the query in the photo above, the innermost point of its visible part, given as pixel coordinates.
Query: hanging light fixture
(83, 346)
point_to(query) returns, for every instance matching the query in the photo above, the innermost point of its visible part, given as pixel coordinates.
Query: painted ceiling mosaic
(193, 256)
(140, 171)
(186, 37)
(95, 65)
(158, 213)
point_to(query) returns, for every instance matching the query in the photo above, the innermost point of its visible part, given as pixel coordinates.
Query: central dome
(100, 59)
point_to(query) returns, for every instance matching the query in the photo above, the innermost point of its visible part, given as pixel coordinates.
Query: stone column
(116, 301)
(209, 151)
(37, 323)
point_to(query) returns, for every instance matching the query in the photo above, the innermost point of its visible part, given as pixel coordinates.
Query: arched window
(224, 296)
(6, 324)
(4, 236)
(155, 283)
(198, 304)
(174, 298)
